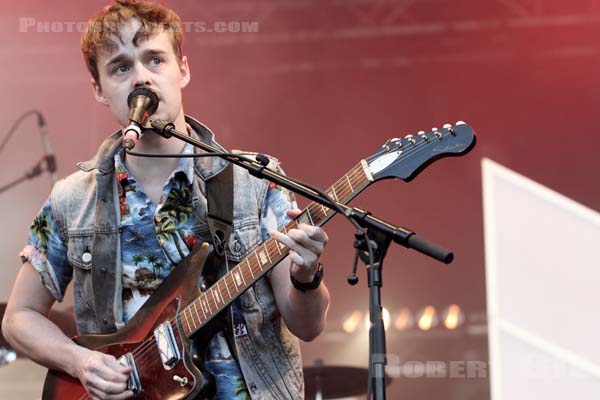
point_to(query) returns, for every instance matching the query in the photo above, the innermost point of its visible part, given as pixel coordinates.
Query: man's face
(152, 63)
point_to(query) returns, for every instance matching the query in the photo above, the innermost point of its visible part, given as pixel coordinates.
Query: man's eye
(120, 68)
(156, 60)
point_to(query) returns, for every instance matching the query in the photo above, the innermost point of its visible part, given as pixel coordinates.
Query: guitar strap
(219, 198)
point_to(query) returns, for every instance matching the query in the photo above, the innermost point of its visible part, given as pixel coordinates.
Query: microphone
(142, 102)
(48, 154)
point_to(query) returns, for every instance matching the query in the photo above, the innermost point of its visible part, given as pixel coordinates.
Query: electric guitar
(157, 341)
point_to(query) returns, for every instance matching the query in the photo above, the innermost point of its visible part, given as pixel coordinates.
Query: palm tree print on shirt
(42, 230)
(167, 231)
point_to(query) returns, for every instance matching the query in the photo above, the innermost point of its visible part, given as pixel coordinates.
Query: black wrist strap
(304, 286)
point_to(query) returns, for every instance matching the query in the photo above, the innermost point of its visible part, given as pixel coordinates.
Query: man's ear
(185, 72)
(98, 93)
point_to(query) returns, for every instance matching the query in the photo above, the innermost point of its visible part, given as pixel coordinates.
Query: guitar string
(141, 351)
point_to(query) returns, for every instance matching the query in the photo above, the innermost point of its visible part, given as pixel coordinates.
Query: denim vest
(86, 208)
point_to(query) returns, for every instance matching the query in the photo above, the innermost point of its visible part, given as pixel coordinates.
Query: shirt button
(86, 257)
(103, 269)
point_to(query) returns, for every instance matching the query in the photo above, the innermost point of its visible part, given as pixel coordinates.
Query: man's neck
(152, 172)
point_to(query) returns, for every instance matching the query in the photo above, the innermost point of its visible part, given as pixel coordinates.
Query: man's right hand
(102, 375)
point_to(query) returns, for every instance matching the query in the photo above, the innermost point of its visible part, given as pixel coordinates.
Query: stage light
(453, 317)
(427, 318)
(404, 320)
(351, 323)
(387, 318)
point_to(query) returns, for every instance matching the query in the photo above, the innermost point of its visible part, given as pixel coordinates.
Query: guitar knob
(423, 135)
(447, 126)
(411, 139)
(460, 123)
(182, 381)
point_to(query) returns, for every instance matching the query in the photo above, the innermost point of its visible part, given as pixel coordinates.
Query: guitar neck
(268, 254)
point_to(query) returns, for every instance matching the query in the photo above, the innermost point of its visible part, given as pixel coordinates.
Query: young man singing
(117, 227)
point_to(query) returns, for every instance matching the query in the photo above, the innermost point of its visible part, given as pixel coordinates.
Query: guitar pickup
(167, 345)
(133, 383)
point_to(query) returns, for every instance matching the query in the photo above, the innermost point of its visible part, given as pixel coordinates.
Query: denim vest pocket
(79, 253)
(79, 250)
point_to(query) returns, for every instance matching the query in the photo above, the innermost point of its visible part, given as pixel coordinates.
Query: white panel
(543, 275)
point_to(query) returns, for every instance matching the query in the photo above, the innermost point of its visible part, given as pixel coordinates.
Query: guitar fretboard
(264, 257)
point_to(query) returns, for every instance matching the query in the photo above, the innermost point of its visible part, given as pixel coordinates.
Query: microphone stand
(371, 244)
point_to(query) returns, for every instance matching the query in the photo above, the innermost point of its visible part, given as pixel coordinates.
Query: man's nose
(141, 76)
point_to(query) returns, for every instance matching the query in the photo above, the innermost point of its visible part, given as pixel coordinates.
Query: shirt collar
(184, 164)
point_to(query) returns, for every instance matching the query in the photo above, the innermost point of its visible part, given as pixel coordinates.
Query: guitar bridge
(167, 345)
(133, 383)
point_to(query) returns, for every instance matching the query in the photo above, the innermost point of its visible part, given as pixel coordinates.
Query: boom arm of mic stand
(399, 235)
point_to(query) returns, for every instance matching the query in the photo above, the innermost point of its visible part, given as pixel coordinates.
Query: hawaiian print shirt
(154, 238)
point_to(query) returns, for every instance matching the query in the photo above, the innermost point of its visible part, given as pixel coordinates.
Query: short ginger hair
(154, 18)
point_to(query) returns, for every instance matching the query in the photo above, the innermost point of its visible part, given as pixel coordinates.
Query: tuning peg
(423, 135)
(410, 139)
(450, 129)
(460, 123)
(397, 141)
(436, 133)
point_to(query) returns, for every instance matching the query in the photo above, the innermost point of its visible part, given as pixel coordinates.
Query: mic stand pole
(372, 246)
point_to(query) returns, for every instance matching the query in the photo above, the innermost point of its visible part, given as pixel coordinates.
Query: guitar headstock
(405, 157)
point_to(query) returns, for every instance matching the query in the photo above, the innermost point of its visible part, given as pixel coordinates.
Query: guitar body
(137, 337)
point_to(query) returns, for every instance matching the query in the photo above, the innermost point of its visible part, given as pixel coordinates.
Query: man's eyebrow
(154, 52)
(117, 59)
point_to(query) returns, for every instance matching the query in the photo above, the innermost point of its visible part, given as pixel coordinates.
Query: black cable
(241, 157)
(13, 129)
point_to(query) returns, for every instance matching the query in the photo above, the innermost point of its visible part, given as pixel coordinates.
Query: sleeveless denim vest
(86, 208)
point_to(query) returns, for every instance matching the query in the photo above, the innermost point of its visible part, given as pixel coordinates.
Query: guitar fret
(333, 194)
(226, 288)
(250, 266)
(206, 305)
(214, 298)
(234, 280)
(277, 246)
(239, 276)
(187, 321)
(196, 310)
(349, 183)
(201, 308)
(258, 261)
(268, 255)
(310, 216)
